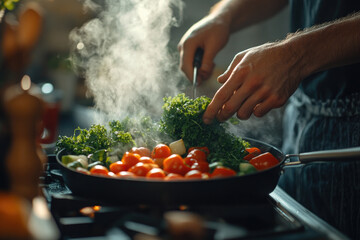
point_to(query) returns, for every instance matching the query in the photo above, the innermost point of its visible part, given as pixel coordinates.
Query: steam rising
(125, 55)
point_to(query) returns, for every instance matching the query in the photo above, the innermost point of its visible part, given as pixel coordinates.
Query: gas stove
(276, 217)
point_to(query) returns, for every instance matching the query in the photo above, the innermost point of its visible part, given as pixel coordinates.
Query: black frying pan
(220, 190)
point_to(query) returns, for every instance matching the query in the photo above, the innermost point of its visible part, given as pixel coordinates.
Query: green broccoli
(182, 118)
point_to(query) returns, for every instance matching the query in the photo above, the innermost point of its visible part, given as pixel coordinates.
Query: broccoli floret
(182, 118)
(97, 137)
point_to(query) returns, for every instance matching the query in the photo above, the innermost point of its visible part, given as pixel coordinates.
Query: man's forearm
(243, 13)
(326, 46)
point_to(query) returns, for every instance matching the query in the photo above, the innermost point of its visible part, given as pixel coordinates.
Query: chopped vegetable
(221, 171)
(246, 168)
(264, 161)
(252, 152)
(72, 158)
(178, 147)
(182, 118)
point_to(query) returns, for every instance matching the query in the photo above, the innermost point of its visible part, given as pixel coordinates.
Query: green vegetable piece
(246, 168)
(66, 159)
(213, 165)
(182, 118)
(99, 155)
(94, 164)
(75, 164)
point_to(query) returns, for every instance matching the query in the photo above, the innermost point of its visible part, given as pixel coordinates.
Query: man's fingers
(236, 60)
(186, 60)
(254, 99)
(207, 64)
(223, 95)
(270, 103)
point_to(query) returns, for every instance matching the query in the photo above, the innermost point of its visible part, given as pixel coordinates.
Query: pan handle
(327, 155)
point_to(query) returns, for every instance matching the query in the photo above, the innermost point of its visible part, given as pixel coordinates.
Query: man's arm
(212, 32)
(243, 13)
(264, 77)
(329, 45)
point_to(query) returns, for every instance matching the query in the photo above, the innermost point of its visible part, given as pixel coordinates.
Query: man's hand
(258, 80)
(210, 34)
(264, 77)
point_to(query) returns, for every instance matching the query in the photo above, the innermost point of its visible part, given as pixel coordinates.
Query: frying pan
(220, 190)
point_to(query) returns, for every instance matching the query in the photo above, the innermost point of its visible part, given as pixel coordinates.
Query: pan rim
(181, 181)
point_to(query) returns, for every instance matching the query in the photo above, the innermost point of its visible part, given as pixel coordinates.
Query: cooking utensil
(220, 190)
(196, 64)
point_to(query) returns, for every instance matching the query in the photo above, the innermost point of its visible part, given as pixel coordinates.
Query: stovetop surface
(79, 218)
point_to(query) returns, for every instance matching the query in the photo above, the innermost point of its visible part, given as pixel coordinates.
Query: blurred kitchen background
(51, 64)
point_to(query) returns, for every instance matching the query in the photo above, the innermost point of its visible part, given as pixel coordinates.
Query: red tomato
(173, 176)
(142, 151)
(221, 171)
(253, 152)
(125, 174)
(130, 159)
(264, 161)
(99, 170)
(159, 161)
(146, 160)
(118, 167)
(198, 154)
(201, 166)
(141, 169)
(190, 161)
(175, 164)
(161, 151)
(205, 149)
(111, 174)
(156, 173)
(194, 174)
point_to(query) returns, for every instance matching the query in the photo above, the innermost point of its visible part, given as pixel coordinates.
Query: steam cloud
(125, 55)
(129, 66)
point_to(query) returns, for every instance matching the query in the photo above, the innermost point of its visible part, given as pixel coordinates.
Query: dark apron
(330, 190)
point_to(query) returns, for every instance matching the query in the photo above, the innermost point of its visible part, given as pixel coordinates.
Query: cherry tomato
(159, 161)
(111, 174)
(190, 161)
(201, 166)
(125, 174)
(99, 170)
(130, 159)
(205, 149)
(142, 151)
(198, 154)
(161, 151)
(221, 171)
(253, 152)
(194, 174)
(175, 164)
(173, 176)
(264, 161)
(141, 169)
(146, 160)
(156, 173)
(118, 166)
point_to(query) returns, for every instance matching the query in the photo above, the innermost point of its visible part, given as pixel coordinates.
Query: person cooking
(315, 71)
